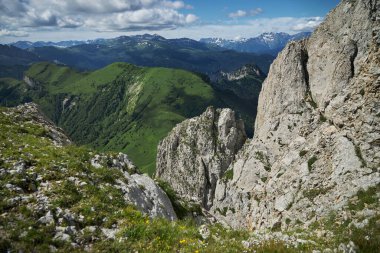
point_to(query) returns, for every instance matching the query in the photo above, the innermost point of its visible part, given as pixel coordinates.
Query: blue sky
(209, 11)
(82, 19)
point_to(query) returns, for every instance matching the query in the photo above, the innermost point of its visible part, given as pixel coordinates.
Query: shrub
(229, 174)
(311, 161)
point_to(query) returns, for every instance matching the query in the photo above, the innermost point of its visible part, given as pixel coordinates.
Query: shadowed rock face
(196, 154)
(317, 138)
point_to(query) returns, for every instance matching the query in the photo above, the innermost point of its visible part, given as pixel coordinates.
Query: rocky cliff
(316, 152)
(196, 154)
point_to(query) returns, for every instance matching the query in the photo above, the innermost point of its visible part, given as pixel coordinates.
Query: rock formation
(30, 113)
(140, 191)
(317, 131)
(196, 154)
(64, 187)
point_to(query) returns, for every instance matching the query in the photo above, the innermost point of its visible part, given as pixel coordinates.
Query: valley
(121, 107)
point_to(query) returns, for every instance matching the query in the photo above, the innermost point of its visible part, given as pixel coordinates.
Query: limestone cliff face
(317, 128)
(195, 155)
(317, 131)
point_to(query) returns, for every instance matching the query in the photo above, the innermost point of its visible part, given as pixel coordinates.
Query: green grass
(53, 77)
(312, 193)
(322, 118)
(302, 153)
(168, 97)
(365, 197)
(229, 175)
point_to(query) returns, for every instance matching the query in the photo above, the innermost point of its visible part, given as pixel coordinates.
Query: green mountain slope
(14, 61)
(120, 107)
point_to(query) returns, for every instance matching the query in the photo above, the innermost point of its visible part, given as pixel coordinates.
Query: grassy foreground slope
(120, 107)
(52, 199)
(84, 203)
(36, 174)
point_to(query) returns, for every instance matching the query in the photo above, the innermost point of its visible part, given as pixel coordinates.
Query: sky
(57, 20)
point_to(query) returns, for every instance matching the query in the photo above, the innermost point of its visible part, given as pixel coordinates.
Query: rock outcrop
(317, 132)
(48, 185)
(245, 82)
(139, 189)
(198, 151)
(30, 113)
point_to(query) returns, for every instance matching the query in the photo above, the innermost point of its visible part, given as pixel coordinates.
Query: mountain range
(149, 50)
(266, 43)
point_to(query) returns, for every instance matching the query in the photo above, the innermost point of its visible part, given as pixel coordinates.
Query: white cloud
(191, 18)
(256, 11)
(249, 29)
(177, 5)
(242, 13)
(98, 15)
(5, 32)
(69, 22)
(307, 24)
(144, 19)
(238, 14)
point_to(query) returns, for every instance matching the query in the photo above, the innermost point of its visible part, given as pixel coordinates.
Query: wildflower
(147, 222)
(182, 241)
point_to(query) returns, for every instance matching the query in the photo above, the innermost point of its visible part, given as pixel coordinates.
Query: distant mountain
(29, 44)
(153, 51)
(244, 83)
(266, 43)
(13, 61)
(70, 43)
(10, 55)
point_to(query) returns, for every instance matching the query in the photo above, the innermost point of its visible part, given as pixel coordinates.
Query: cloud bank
(249, 29)
(111, 15)
(83, 19)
